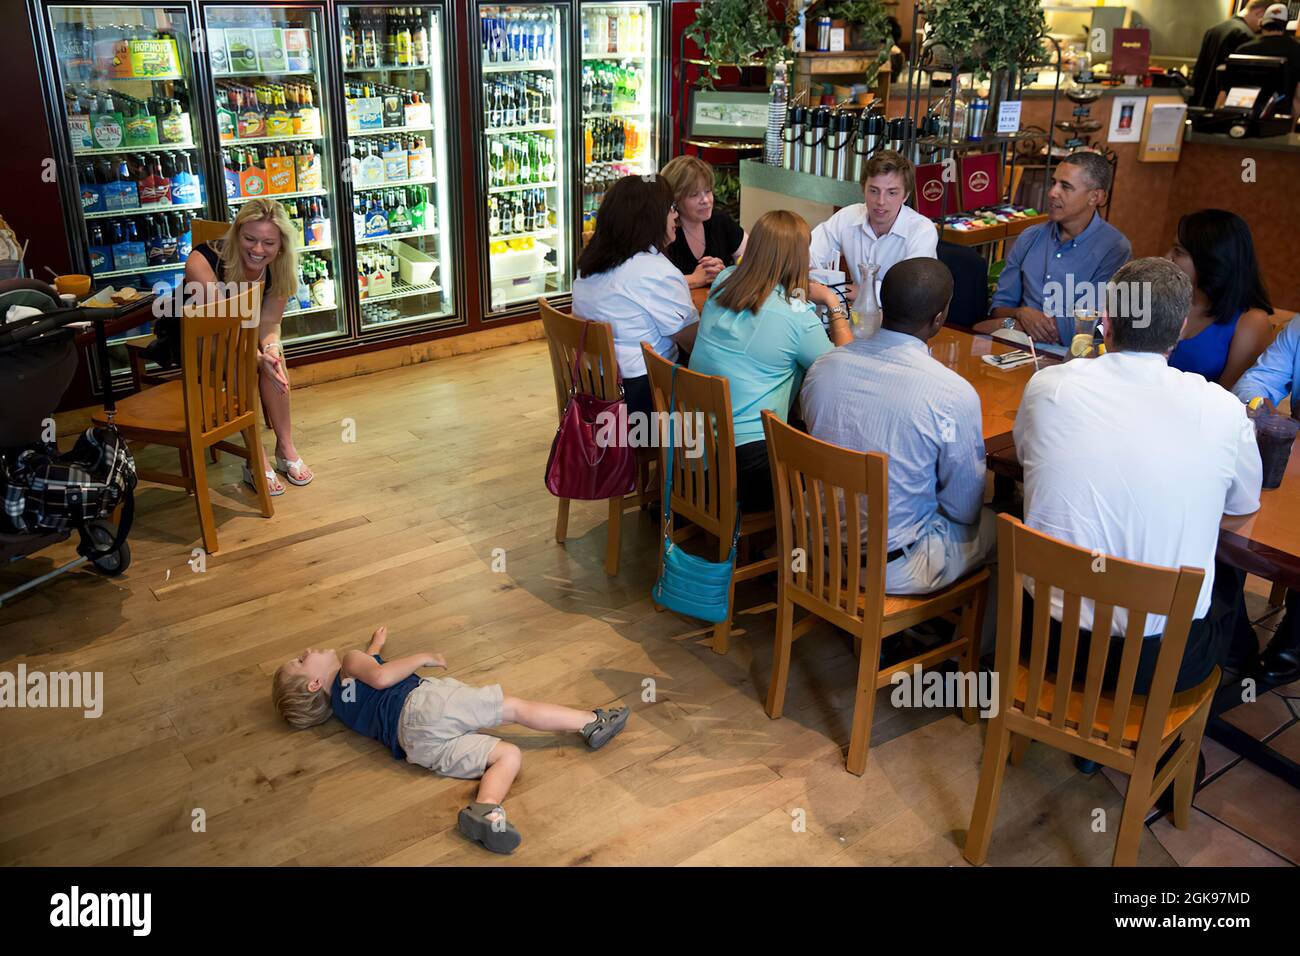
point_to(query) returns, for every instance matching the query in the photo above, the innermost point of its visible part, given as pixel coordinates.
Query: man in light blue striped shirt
(886, 394)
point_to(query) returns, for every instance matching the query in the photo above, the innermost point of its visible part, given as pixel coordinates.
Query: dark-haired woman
(1228, 327)
(625, 280)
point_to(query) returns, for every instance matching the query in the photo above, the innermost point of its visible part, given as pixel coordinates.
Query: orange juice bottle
(586, 143)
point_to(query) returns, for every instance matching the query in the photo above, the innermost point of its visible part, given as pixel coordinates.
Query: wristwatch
(1009, 322)
(836, 313)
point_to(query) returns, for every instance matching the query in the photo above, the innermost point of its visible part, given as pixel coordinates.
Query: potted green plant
(734, 32)
(985, 36)
(991, 38)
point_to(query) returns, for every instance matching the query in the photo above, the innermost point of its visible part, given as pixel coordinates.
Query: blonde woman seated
(761, 331)
(706, 240)
(258, 248)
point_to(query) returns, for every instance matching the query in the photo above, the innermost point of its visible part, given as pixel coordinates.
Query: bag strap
(668, 468)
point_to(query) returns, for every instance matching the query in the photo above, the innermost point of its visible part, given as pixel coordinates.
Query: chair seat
(1181, 707)
(158, 409)
(757, 521)
(899, 605)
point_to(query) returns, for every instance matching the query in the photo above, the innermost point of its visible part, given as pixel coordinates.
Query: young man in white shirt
(883, 230)
(1135, 459)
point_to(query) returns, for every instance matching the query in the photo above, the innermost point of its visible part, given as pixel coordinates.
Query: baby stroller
(38, 359)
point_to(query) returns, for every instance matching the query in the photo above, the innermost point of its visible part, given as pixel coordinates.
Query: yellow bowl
(77, 285)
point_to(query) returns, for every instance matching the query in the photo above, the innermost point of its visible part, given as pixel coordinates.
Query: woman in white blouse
(625, 280)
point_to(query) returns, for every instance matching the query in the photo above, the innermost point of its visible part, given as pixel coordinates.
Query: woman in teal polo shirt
(760, 330)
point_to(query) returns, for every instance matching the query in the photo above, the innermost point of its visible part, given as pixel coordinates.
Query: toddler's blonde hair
(301, 707)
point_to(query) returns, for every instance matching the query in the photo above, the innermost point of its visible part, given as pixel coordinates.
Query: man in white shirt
(1132, 458)
(883, 230)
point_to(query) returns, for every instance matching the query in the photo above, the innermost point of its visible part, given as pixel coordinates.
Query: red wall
(28, 202)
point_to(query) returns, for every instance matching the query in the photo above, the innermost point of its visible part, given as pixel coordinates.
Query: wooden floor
(400, 528)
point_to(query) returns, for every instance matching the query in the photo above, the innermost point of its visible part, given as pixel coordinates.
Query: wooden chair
(215, 397)
(598, 375)
(1113, 727)
(704, 488)
(201, 231)
(842, 579)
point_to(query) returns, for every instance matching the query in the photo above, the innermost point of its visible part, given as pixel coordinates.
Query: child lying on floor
(432, 722)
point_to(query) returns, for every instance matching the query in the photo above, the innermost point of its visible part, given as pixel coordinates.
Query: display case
(619, 97)
(129, 143)
(271, 99)
(525, 172)
(397, 165)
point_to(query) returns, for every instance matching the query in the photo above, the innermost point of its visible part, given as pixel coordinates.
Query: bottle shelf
(311, 309)
(395, 184)
(521, 186)
(262, 73)
(328, 247)
(522, 66)
(234, 200)
(615, 56)
(100, 77)
(605, 114)
(401, 289)
(144, 210)
(256, 140)
(507, 130)
(385, 130)
(169, 267)
(371, 240)
(388, 69)
(509, 236)
(132, 149)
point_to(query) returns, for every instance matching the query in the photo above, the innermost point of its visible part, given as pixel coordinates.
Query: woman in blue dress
(1228, 327)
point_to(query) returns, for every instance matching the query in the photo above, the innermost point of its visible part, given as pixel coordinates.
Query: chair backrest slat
(1128, 664)
(833, 548)
(1069, 652)
(1139, 589)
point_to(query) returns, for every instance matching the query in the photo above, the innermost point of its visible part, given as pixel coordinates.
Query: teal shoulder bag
(689, 584)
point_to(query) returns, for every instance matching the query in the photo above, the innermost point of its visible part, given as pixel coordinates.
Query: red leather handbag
(579, 466)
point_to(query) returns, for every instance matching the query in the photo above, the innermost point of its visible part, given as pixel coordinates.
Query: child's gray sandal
(497, 835)
(606, 725)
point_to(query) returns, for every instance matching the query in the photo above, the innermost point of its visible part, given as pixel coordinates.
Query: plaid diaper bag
(48, 491)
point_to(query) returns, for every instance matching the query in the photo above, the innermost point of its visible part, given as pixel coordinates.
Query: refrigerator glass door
(272, 113)
(525, 169)
(397, 162)
(619, 96)
(125, 84)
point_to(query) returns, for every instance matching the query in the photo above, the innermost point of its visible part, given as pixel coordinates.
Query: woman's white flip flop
(273, 486)
(291, 470)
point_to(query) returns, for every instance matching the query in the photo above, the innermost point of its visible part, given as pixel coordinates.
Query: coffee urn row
(838, 143)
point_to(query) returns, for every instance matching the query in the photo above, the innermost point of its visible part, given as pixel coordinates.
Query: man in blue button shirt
(1062, 263)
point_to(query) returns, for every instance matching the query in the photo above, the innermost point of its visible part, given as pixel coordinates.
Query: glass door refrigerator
(120, 85)
(525, 171)
(395, 84)
(620, 93)
(270, 97)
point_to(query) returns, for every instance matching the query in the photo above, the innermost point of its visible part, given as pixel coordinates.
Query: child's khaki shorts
(439, 723)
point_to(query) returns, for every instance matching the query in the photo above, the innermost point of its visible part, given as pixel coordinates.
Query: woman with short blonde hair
(760, 330)
(258, 247)
(707, 239)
